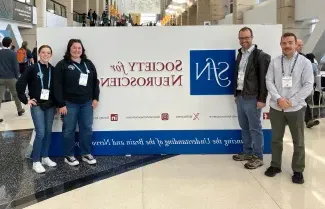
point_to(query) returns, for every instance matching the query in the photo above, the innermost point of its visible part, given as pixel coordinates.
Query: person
(250, 95)
(311, 57)
(95, 17)
(309, 121)
(34, 54)
(77, 93)
(289, 81)
(300, 45)
(38, 77)
(9, 74)
(24, 57)
(89, 15)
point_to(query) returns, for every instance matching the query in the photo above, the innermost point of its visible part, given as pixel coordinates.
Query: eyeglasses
(245, 38)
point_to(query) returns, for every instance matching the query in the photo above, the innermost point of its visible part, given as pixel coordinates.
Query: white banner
(165, 81)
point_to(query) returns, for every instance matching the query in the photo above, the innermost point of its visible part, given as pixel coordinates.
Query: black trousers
(308, 115)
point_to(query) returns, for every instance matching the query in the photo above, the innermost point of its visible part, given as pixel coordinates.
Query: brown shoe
(242, 157)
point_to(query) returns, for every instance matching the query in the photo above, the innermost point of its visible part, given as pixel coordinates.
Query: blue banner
(162, 142)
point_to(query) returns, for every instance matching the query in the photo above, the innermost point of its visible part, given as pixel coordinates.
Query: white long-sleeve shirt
(302, 81)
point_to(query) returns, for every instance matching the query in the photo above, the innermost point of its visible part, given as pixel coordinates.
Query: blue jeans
(83, 115)
(43, 121)
(249, 118)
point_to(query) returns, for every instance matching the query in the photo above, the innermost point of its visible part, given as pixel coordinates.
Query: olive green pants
(295, 121)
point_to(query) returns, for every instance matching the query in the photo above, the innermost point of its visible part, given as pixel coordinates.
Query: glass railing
(77, 17)
(56, 8)
(30, 2)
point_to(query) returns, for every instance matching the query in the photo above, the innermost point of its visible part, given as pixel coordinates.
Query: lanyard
(246, 57)
(81, 70)
(293, 66)
(41, 76)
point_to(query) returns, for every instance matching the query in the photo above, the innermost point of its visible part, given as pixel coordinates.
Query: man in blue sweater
(9, 73)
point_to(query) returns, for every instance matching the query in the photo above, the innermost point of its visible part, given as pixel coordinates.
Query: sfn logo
(211, 72)
(114, 117)
(196, 116)
(266, 116)
(164, 116)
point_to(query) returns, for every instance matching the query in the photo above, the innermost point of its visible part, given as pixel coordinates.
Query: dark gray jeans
(11, 85)
(295, 121)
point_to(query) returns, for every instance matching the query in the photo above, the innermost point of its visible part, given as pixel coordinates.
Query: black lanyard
(293, 66)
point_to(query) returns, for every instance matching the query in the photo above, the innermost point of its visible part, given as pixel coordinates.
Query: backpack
(21, 55)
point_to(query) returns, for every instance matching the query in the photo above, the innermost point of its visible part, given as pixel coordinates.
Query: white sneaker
(71, 160)
(47, 161)
(89, 159)
(38, 168)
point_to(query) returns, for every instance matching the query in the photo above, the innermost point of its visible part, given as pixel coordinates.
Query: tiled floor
(180, 182)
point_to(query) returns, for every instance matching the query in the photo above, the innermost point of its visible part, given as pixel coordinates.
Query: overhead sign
(22, 12)
(173, 96)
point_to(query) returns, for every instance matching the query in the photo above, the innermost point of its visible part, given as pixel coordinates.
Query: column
(286, 14)
(217, 8)
(41, 13)
(203, 11)
(240, 6)
(92, 5)
(97, 7)
(192, 15)
(87, 6)
(69, 6)
(184, 18)
(179, 20)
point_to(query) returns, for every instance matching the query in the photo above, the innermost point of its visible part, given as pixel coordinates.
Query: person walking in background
(310, 122)
(289, 81)
(89, 15)
(95, 17)
(13, 48)
(250, 95)
(34, 54)
(77, 93)
(9, 74)
(24, 57)
(38, 77)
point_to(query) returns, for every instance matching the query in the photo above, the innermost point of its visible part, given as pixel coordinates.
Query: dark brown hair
(285, 35)
(67, 55)
(245, 29)
(43, 47)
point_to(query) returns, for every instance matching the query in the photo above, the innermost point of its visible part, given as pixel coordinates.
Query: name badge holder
(287, 80)
(83, 79)
(45, 93)
(241, 74)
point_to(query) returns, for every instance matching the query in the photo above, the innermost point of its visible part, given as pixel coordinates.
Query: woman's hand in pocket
(63, 110)
(32, 102)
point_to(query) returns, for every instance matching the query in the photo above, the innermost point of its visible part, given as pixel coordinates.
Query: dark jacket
(256, 70)
(9, 67)
(31, 78)
(66, 82)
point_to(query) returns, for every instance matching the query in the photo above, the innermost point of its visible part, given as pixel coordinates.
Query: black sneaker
(272, 171)
(89, 159)
(312, 123)
(1, 120)
(71, 160)
(298, 178)
(20, 113)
